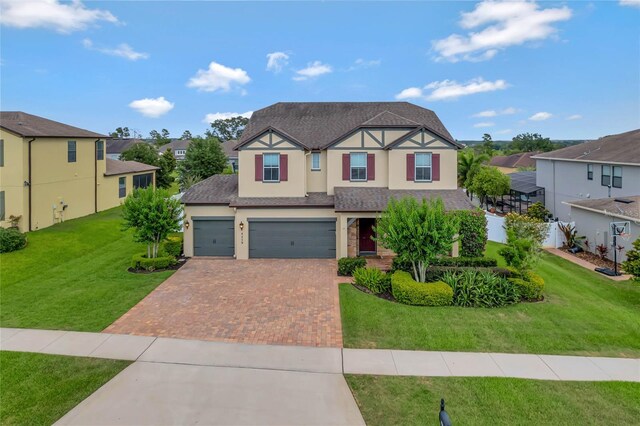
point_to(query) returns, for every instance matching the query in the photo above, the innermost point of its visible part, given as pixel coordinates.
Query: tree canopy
(489, 183)
(147, 154)
(120, 132)
(186, 135)
(468, 165)
(204, 158)
(227, 128)
(160, 138)
(528, 142)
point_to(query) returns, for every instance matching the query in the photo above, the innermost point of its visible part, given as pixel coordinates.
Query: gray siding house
(177, 146)
(608, 167)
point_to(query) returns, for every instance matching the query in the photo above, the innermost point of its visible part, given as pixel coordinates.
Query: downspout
(29, 177)
(95, 175)
(306, 194)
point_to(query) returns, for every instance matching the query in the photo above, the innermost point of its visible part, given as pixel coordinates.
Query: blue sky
(567, 70)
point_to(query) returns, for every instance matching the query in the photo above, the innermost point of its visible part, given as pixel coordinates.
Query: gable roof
(621, 148)
(315, 125)
(175, 144)
(117, 167)
(119, 145)
(29, 126)
(513, 161)
(627, 207)
(228, 148)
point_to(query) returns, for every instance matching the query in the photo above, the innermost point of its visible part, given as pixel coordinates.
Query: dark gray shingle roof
(227, 147)
(348, 199)
(29, 126)
(522, 159)
(612, 206)
(217, 189)
(315, 199)
(620, 148)
(317, 124)
(175, 144)
(116, 167)
(118, 146)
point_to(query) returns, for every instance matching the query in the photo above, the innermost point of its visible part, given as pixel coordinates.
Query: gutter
(604, 212)
(30, 213)
(586, 161)
(95, 173)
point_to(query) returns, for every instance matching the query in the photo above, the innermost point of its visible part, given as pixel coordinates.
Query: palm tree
(468, 165)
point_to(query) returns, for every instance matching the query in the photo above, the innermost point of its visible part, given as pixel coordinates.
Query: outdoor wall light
(241, 226)
(186, 224)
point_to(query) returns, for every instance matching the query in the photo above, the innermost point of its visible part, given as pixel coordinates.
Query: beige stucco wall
(317, 179)
(293, 187)
(334, 169)
(448, 170)
(12, 178)
(191, 211)
(109, 189)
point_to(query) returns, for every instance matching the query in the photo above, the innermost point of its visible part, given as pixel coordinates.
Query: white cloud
(541, 116)
(52, 14)
(218, 77)
(503, 132)
(122, 50)
(506, 23)
(632, 3)
(211, 117)
(494, 113)
(451, 89)
(152, 107)
(574, 117)
(313, 69)
(364, 64)
(484, 124)
(410, 93)
(276, 61)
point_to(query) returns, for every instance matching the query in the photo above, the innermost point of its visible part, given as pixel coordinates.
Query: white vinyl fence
(497, 233)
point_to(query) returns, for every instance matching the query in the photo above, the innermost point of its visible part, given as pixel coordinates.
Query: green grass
(38, 389)
(583, 314)
(494, 401)
(73, 276)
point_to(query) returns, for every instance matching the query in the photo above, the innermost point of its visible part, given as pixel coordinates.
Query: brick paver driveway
(271, 301)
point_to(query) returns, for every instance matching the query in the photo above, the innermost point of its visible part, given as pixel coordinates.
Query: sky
(566, 70)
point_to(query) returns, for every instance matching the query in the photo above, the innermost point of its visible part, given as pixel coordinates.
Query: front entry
(367, 244)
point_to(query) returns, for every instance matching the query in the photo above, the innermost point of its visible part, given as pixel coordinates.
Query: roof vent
(623, 200)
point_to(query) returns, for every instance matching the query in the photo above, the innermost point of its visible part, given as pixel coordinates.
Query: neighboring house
(593, 219)
(232, 155)
(177, 146)
(51, 172)
(608, 167)
(116, 146)
(314, 177)
(508, 164)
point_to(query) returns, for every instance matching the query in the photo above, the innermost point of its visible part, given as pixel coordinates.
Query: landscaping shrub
(11, 239)
(474, 288)
(173, 245)
(406, 290)
(485, 262)
(373, 279)
(530, 287)
(632, 264)
(163, 261)
(347, 265)
(473, 233)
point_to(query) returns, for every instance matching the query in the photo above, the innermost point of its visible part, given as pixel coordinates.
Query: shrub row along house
(51, 172)
(314, 176)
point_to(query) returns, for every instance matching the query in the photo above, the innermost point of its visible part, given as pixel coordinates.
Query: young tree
(152, 214)
(204, 158)
(186, 135)
(468, 165)
(525, 236)
(417, 232)
(120, 132)
(147, 154)
(228, 128)
(489, 183)
(167, 163)
(632, 264)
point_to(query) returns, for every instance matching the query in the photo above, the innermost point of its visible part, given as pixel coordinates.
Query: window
(590, 171)
(122, 187)
(358, 166)
(71, 151)
(1, 205)
(100, 150)
(315, 161)
(1, 152)
(606, 176)
(423, 167)
(142, 181)
(181, 151)
(271, 167)
(617, 177)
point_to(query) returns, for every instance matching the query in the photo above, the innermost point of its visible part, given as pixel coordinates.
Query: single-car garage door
(292, 238)
(213, 236)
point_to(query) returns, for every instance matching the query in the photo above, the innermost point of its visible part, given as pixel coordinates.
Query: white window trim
(270, 167)
(181, 151)
(366, 169)
(415, 167)
(316, 154)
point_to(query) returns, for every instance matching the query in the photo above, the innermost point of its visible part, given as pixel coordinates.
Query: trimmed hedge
(407, 291)
(11, 239)
(531, 288)
(347, 265)
(140, 261)
(478, 262)
(173, 245)
(373, 279)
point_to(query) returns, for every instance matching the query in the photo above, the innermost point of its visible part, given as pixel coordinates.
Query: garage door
(213, 236)
(292, 238)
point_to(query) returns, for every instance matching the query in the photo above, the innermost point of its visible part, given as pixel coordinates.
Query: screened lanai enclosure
(522, 194)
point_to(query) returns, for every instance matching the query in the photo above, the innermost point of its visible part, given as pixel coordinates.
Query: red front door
(367, 245)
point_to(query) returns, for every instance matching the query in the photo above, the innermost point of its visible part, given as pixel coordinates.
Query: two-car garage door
(292, 238)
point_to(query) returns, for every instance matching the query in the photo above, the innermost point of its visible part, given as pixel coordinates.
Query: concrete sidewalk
(319, 360)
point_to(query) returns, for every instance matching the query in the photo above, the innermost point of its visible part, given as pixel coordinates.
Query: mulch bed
(386, 295)
(592, 258)
(181, 262)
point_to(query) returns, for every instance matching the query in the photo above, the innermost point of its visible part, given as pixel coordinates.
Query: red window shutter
(258, 167)
(371, 167)
(435, 161)
(284, 167)
(411, 167)
(346, 166)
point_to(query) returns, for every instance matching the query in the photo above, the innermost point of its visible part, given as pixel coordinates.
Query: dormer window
(358, 166)
(271, 167)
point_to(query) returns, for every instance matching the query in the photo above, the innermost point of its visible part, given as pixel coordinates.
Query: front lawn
(583, 314)
(388, 400)
(38, 389)
(73, 276)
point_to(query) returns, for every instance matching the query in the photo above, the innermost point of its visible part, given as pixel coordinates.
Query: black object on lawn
(444, 416)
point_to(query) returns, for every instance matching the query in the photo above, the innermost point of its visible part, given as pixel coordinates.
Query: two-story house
(178, 148)
(603, 168)
(314, 177)
(51, 172)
